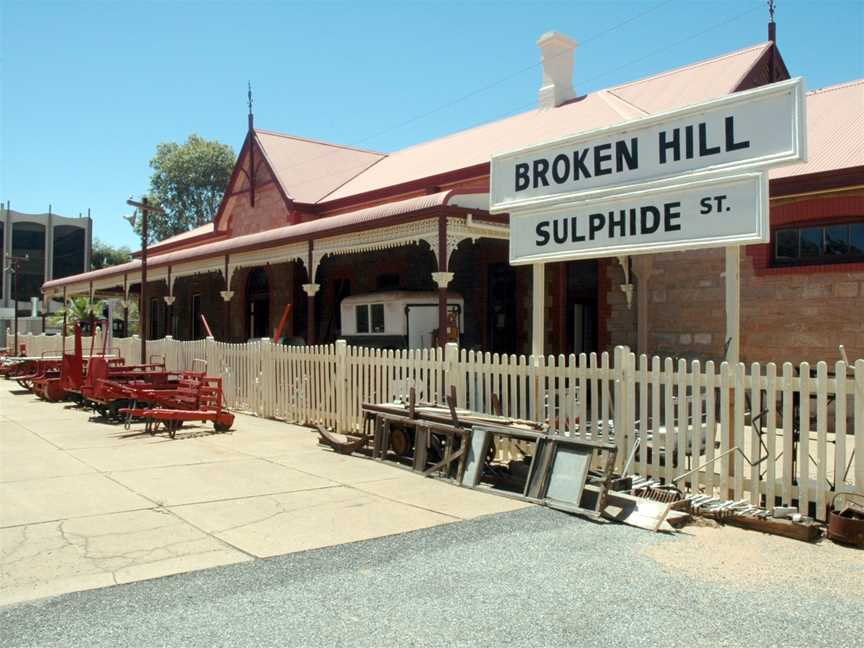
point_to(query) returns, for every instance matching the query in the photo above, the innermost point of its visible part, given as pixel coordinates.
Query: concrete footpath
(85, 504)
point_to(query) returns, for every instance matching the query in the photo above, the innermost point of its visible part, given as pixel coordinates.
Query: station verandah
(497, 297)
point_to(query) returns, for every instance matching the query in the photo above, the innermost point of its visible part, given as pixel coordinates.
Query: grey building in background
(56, 246)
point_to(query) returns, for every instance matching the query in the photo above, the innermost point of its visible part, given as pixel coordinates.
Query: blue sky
(88, 89)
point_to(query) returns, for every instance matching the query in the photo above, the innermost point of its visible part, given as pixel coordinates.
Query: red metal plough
(38, 369)
(101, 384)
(55, 385)
(193, 402)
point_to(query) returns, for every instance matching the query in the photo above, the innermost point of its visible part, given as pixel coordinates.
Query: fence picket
(711, 425)
(804, 438)
(821, 435)
(859, 425)
(643, 430)
(771, 435)
(755, 440)
(681, 412)
(724, 429)
(738, 430)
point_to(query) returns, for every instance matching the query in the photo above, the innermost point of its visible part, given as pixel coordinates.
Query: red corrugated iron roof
(835, 131)
(692, 83)
(318, 228)
(308, 170)
(172, 241)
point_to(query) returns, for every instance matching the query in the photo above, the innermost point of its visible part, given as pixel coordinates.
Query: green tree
(78, 309)
(104, 255)
(187, 183)
(81, 309)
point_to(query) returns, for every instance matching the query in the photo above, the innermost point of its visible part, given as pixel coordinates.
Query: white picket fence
(767, 434)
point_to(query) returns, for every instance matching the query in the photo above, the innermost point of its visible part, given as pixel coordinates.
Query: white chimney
(556, 53)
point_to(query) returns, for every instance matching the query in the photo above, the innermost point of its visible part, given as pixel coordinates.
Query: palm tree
(78, 310)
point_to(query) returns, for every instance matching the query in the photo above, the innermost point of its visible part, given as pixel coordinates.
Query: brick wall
(787, 314)
(269, 211)
(208, 286)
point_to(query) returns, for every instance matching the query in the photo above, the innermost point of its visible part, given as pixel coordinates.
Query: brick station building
(308, 223)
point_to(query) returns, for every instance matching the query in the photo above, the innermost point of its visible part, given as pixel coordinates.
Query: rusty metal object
(341, 443)
(846, 526)
(665, 494)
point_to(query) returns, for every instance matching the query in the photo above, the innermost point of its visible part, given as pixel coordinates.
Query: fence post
(167, 348)
(451, 361)
(621, 403)
(341, 385)
(858, 423)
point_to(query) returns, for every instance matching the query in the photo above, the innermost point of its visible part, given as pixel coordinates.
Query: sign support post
(538, 326)
(733, 303)
(732, 280)
(538, 303)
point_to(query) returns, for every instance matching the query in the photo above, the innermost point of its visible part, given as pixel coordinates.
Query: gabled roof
(835, 131)
(692, 83)
(308, 170)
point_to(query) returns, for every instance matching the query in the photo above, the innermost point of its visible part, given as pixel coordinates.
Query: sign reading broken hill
(690, 178)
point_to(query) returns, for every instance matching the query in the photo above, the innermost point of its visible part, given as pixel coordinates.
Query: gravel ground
(533, 577)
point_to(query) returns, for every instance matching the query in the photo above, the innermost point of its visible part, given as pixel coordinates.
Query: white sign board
(746, 130)
(708, 211)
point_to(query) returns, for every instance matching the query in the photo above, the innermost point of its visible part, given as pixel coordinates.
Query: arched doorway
(258, 304)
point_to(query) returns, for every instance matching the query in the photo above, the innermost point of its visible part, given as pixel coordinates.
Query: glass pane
(377, 318)
(811, 242)
(362, 314)
(787, 244)
(837, 240)
(856, 239)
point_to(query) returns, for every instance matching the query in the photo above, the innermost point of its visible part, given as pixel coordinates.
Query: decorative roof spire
(249, 101)
(772, 26)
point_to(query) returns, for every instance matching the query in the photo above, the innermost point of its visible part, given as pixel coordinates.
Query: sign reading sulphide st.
(656, 217)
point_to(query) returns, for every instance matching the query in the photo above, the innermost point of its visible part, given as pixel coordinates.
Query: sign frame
(797, 152)
(760, 233)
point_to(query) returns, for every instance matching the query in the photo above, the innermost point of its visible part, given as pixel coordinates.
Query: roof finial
(249, 101)
(772, 26)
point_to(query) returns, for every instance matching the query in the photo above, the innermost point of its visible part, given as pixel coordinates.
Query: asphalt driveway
(533, 577)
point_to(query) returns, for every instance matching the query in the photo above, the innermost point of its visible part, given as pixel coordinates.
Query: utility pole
(144, 208)
(14, 269)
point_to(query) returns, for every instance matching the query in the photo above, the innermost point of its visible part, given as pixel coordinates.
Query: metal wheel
(400, 442)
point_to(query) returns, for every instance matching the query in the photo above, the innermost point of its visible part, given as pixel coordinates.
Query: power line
(519, 109)
(482, 89)
(512, 75)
